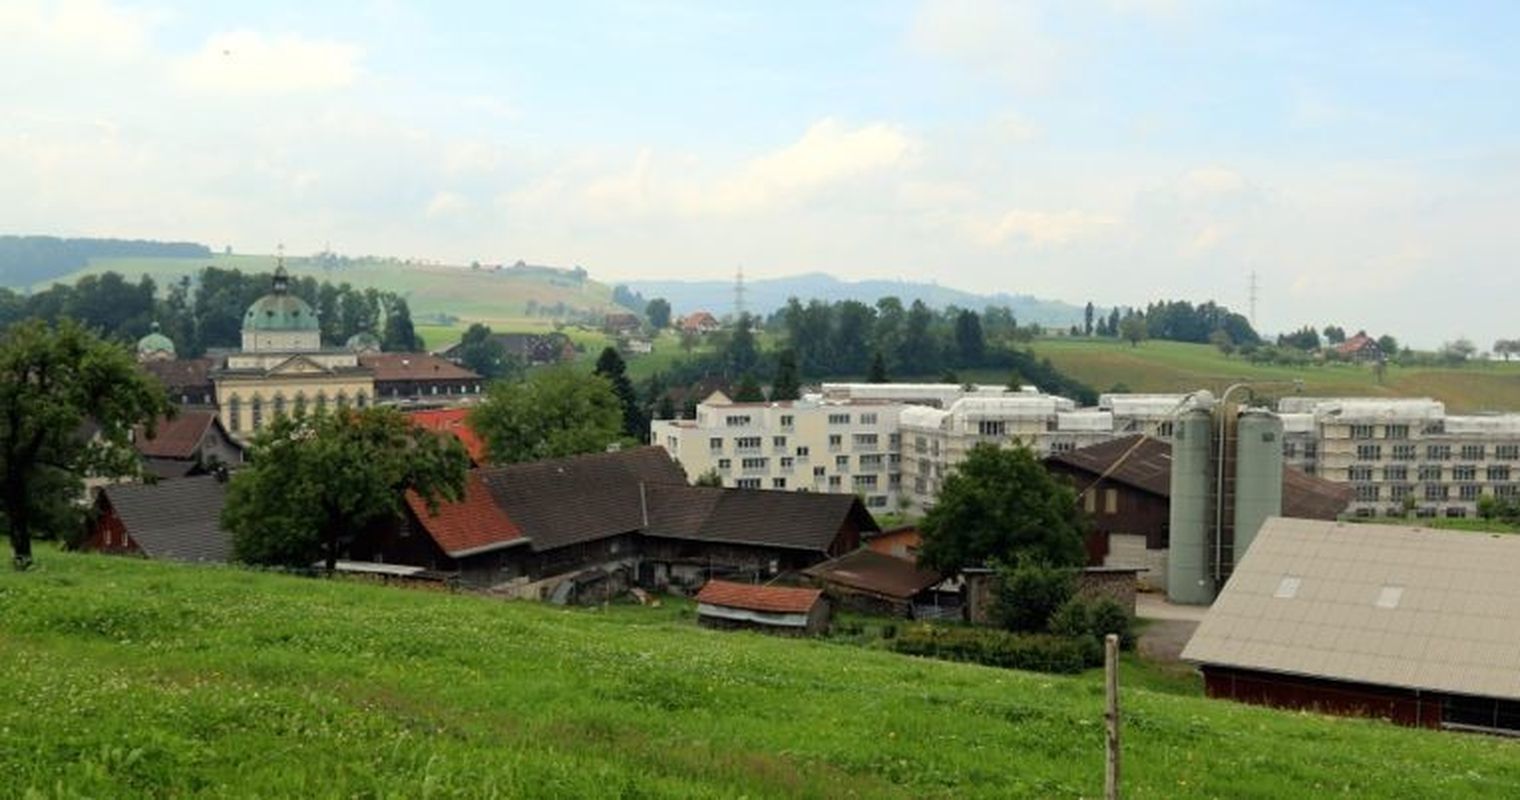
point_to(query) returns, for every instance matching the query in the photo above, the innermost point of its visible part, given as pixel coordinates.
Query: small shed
(786, 610)
(874, 583)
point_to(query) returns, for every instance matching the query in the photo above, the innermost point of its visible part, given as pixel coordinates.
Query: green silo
(1258, 476)
(1189, 560)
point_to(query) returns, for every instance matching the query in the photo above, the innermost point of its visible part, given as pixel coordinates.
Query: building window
(839, 419)
(778, 442)
(1507, 452)
(300, 405)
(1399, 491)
(787, 420)
(1164, 430)
(1464, 472)
(871, 461)
(1430, 472)
(257, 409)
(835, 482)
(1498, 473)
(1399, 473)
(1403, 452)
(1290, 449)
(1369, 452)
(1436, 491)
(1473, 452)
(1507, 491)
(1438, 452)
(841, 462)
(321, 402)
(725, 464)
(778, 483)
(835, 441)
(1469, 491)
(1110, 501)
(894, 441)
(1311, 450)
(736, 420)
(755, 463)
(279, 404)
(991, 427)
(920, 444)
(361, 399)
(1396, 432)
(802, 451)
(235, 414)
(1456, 512)
(748, 483)
(786, 462)
(715, 444)
(1367, 492)
(877, 501)
(865, 481)
(747, 443)
(1360, 472)
(865, 440)
(818, 472)
(1361, 431)
(868, 419)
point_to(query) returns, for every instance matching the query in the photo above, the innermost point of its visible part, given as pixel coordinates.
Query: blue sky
(1361, 157)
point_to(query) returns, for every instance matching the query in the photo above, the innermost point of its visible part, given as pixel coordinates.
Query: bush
(1094, 619)
(1028, 594)
(994, 648)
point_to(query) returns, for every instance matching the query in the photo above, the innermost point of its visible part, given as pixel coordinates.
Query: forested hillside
(25, 260)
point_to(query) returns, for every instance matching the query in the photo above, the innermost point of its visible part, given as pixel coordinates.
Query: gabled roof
(414, 367)
(174, 438)
(1356, 344)
(771, 599)
(796, 520)
(1409, 607)
(875, 572)
(1149, 469)
(454, 421)
(565, 501)
(473, 524)
(177, 519)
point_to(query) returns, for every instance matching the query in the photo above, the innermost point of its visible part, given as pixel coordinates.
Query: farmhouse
(192, 442)
(873, 583)
(177, 520)
(619, 323)
(529, 348)
(1418, 626)
(699, 322)
(1125, 488)
(1360, 347)
(776, 609)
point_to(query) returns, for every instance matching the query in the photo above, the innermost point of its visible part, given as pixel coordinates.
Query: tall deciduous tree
(1001, 504)
(658, 313)
(55, 384)
(318, 482)
(1133, 329)
(557, 412)
(741, 353)
(1087, 319)
(878, 373)
(610, 365)
(787, 384)
(969, 344)
(400, 335)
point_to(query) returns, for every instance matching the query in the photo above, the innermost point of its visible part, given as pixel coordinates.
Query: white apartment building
(813, 444)
(1400, 453)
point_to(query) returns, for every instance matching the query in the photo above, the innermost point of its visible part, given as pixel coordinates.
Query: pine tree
(610, 365)
(786, 386)
(878, 373)
(749, 390)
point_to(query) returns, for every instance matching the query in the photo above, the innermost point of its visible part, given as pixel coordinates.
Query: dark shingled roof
(566, 501)
(874, 572)
(174, 438)
(797, 520)
(1149, 468)
(414, 367)
(178, 519)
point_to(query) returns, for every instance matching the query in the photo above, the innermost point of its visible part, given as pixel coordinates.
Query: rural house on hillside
(776, 609)
(192, 442)
(175, 520)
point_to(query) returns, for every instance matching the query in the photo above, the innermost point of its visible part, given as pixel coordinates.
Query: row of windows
(1469, 492)
(1389, 431)
(1437, 452)
(299, 405)
(1494, 473)
(872, 462)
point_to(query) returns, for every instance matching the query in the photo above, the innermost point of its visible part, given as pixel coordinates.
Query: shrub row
(1028, 651)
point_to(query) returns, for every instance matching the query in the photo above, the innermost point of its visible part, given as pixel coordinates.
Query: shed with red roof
(779, 609)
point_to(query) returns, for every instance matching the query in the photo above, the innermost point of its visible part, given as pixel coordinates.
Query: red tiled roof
(414, 367)
(469, 525)
(775, 599)
(1356, 344)
(174, 438)
(455, 421)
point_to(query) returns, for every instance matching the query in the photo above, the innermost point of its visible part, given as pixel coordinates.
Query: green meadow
(125, 678)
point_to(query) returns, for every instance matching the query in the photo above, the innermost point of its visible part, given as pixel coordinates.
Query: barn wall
(1401, 706)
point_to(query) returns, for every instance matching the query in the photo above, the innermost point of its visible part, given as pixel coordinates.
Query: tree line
(207, 312)
(29, 259)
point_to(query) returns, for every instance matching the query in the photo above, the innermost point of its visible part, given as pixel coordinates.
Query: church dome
(363, 342)
(155, 344)
(280, 310)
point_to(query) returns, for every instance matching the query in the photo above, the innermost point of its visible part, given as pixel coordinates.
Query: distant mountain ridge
(765, 295)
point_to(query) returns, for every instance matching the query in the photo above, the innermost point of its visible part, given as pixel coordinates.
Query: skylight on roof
(1287, 589)
(1389, 597)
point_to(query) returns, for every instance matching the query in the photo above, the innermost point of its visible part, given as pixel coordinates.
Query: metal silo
(1258, 476)
(1189, 562)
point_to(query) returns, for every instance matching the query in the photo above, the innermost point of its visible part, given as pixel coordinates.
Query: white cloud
(1042, 228)
(1005, 41)
(247, 62)
(76, 28)
(828, 153)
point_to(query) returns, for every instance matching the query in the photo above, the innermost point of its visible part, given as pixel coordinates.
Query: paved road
(1169, 626)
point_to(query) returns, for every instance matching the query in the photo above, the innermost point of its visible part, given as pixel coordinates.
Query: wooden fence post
(1111, 716)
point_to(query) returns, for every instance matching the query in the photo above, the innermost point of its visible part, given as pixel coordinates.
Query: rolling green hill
(1157, 366)
(130, 678)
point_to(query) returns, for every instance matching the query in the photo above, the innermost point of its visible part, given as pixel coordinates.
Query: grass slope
(1175, 366)
(129, 678)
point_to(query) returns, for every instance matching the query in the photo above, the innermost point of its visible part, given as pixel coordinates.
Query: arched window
(279, 404)
(360, 399)
(342, 398)
(235, 413)
(300, 404)
(321, 401)
(257, 408)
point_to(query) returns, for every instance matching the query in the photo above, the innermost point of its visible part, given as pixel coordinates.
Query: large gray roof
(177, 519)
(1388, 605)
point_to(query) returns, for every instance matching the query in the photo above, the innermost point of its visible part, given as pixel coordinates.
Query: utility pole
(1111, 716)
(1254, 288)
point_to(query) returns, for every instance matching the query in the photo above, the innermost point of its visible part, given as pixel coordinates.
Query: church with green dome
(281, 322)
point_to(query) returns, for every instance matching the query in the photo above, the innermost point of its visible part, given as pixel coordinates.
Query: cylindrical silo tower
(1258, 477)
(1189, 562)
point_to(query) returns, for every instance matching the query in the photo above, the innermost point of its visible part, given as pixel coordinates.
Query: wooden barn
(785, 610)
(874, 583)
(193, 442)
(1128, 498)
(177, 520)
(1418, 626)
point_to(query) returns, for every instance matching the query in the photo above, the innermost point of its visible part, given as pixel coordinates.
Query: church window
(235, 413)
(257, 409)
(321, 402)
(360, 399)
(279, 404)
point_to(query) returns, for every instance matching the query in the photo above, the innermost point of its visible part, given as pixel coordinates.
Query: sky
(1361, 158)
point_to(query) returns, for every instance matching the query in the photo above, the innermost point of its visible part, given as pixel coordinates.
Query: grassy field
(1176, 366)
(128, 678)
